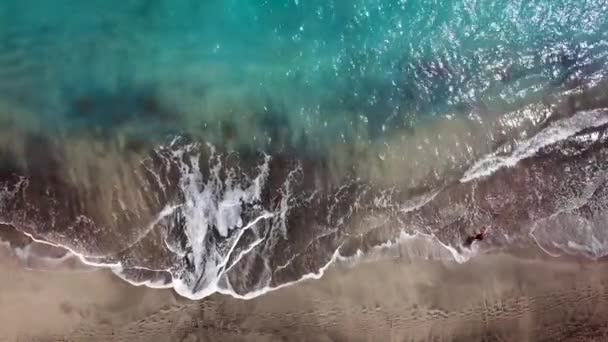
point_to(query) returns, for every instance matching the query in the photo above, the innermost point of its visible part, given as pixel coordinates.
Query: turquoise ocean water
(277, 73)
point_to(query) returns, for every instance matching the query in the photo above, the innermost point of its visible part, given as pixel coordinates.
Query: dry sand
(492, 298)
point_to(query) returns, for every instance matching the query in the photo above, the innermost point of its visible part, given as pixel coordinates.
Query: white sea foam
(217, 203)
(85, 259)
(412, 246)
(35, 257)
(259, 292)
(556, 132)
(155, 284)
(213, 203)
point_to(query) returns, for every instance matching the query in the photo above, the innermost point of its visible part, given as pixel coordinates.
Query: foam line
(244, 252)
(531, 234)
(240, 234)
(147, 283)
(314, 275)
(556, 132)
(165, 212)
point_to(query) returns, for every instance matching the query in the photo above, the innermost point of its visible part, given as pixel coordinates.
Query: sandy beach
(491, 298)
(316, 170)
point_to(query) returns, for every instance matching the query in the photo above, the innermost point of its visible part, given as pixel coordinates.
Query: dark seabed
(221, 150)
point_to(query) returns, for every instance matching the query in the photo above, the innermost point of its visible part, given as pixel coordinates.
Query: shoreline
(496, 295)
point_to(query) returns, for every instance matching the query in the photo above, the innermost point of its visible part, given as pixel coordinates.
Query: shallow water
(240, 146)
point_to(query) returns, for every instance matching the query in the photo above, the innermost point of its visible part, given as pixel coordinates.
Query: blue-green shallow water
(287, 73)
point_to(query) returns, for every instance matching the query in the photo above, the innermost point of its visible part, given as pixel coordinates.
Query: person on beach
(477, 237)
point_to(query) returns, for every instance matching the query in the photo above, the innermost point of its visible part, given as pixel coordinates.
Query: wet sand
(493, 298)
